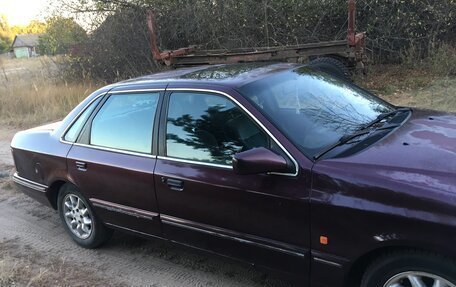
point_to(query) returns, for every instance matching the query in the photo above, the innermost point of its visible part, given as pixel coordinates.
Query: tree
(60, 36)
(3, 46)
(34, 27)
(5, 34)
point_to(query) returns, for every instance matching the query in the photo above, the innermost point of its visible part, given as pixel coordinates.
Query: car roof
(233, 75)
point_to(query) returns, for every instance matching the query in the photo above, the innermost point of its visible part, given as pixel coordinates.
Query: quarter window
(209, 128)
(125, 122)
(73, 132)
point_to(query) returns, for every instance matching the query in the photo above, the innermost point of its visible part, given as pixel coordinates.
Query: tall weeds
(31, 92)
(439, 61)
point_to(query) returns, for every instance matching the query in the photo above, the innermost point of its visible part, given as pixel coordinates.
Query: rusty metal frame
(164, 56)
(352, 49)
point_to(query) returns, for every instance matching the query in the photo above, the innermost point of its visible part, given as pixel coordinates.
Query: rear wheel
(332, 66)
(79, 220)
(411, 269)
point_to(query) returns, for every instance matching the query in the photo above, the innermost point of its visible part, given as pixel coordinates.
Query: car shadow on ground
(193, 260)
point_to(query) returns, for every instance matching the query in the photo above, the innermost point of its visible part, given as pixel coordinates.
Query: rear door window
(125, 122)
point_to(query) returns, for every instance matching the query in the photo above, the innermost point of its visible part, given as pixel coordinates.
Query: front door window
(209, 128)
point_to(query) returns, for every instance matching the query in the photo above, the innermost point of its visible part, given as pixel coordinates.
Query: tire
(399, 269)
(332, 66)
(79, 220)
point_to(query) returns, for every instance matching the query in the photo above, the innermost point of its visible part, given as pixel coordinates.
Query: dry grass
(21, 266)
(425, 83)
(415, 87)
(31, 92)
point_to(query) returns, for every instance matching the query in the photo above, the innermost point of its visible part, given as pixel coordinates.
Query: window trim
(62, 137)
(194, 162)
(160, 91)
(237, 103)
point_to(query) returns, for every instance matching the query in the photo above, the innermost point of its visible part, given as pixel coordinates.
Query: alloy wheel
(77, 216)
(417, 279)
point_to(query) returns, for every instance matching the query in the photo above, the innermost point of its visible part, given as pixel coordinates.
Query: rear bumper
(33, 189)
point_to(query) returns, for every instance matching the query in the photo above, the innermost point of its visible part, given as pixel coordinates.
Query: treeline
(119, 47)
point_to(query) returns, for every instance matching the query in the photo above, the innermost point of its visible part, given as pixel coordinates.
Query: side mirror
(258, 160)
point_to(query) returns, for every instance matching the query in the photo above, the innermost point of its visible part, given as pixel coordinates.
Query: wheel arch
(360, 265)
(53, 191)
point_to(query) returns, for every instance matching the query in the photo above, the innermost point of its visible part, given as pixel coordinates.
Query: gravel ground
(35, 251)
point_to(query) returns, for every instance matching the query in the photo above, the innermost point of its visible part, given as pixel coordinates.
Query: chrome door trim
(116, 150)
(195, 162)
(295, 163)
(224, 233)
(132, 211)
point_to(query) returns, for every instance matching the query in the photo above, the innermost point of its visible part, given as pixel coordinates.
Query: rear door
(113, 159)
(261, 218)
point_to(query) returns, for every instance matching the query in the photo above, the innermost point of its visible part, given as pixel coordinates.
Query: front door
(261, 218)
(112, 161)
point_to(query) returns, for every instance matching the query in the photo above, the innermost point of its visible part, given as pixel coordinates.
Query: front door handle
(81, 166)
(174, 184)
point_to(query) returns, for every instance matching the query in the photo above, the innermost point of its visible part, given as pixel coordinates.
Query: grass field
(415, 87)
(32, 91)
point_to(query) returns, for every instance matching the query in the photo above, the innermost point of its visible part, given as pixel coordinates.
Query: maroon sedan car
(279, 165)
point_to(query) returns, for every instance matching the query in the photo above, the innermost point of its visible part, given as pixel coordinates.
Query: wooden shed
(25, 45)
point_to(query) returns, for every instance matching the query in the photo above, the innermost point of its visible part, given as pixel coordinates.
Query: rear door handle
(174, 184)
(82, 166)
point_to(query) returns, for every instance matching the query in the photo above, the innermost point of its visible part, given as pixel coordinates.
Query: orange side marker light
(323, 240)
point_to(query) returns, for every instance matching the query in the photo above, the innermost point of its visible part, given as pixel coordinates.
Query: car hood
(406, 179)
(427, 141)
(422, 153)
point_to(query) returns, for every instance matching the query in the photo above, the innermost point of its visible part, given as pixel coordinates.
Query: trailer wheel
(332, 66)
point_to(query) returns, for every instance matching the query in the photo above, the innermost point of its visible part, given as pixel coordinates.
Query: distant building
(25, 46)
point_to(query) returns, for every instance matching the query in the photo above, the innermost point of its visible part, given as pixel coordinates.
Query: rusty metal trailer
(351, 51)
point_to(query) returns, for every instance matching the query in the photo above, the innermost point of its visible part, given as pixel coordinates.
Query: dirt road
(35, 251)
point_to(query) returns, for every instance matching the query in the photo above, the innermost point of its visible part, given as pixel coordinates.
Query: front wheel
(79, 220)
(411, 269)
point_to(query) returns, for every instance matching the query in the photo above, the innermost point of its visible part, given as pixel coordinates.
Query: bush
(61, 34)
(413, 56)
(119, 48)
(443, 60)
(439, 61)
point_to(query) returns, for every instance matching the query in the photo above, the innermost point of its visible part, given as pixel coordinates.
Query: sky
(21, 12)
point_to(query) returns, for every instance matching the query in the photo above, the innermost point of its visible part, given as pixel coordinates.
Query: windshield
(312, 108)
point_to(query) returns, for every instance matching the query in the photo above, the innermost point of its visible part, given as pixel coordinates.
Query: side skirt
(285, 258)
(128, 218)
